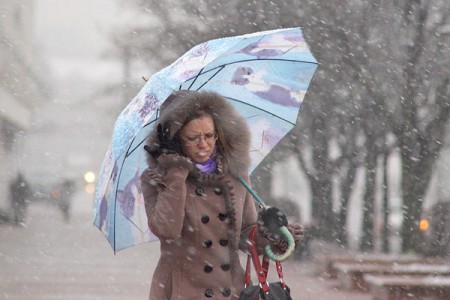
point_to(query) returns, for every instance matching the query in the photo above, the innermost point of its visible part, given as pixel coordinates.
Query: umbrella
(265, 75)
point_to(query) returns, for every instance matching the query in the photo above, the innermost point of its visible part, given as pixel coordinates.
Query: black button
(209, 293)
(226, 292)
(208, 269)
(223, 216)
(205, 219)
(225, 267)
(207, 243)
(200, 191)
(218, 191)
(223, 242)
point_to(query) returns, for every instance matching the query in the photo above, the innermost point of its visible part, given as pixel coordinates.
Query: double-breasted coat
(202, 220)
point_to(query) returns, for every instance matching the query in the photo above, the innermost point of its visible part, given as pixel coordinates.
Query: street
(54, 259)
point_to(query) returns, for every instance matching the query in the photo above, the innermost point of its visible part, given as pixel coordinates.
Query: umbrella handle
(283, 229)
(288, 252)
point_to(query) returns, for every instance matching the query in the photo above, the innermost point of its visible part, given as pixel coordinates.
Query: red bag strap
(262, 277)
(261, 270)
(250, 256)
(265, 264)
(280, 274)
(247, 271)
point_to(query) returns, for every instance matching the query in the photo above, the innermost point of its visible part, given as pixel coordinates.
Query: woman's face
(198, 139)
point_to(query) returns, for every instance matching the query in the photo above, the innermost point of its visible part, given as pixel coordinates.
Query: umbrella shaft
(255, 196)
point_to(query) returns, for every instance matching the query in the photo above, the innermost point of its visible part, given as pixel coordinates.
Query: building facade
(22, 89)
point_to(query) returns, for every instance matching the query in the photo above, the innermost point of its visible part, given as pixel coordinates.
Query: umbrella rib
(198, 74)
(117, 189)
(128, 153)
(220, 69)
(265, 111)
(115, 197)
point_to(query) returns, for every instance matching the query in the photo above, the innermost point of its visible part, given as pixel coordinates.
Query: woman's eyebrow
(194, 134)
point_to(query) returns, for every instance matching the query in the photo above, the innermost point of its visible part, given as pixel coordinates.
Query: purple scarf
(210, 165)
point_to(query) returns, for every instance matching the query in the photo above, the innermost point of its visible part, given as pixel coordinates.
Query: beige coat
(202, 220)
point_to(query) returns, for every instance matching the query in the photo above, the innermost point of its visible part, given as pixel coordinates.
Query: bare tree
(395, 53)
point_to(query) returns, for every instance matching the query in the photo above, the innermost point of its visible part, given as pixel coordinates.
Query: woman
(194, 200)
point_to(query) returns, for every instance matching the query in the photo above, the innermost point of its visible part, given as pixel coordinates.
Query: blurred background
(369, 158)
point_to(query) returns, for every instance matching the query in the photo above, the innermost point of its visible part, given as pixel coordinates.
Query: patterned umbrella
(265, 75)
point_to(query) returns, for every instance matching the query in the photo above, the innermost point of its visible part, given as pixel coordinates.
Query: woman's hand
(270, 222)
(296, 231)
(167, 145)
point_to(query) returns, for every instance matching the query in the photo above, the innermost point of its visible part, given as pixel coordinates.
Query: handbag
(263, 290)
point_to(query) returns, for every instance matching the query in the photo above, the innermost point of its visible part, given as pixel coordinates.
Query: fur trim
(234, 143)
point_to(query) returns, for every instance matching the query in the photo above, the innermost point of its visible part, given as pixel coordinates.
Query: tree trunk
(413, 193)
(367, 239)
(322, 207)
(417, 170)
(346, 190)
(419, 153)
(385, 206)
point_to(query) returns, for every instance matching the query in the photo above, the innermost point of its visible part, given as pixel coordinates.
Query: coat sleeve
(164, 190)
(249, 220)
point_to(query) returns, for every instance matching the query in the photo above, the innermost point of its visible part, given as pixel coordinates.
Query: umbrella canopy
(265, 75)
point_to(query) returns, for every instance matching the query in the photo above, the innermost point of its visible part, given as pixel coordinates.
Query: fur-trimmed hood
(234, 135)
